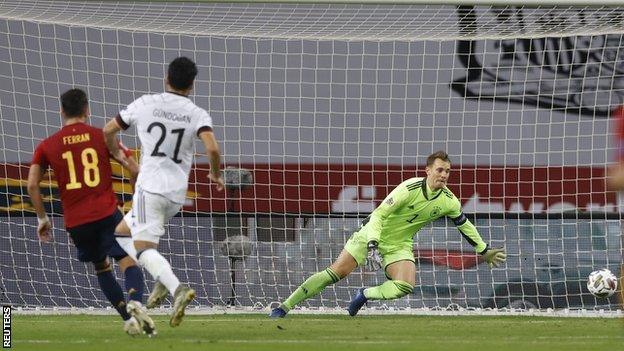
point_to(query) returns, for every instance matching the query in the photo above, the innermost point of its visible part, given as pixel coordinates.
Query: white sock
(127, 244)
(160, 269)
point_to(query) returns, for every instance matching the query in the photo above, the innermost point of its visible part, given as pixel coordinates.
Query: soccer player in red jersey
(80, 160)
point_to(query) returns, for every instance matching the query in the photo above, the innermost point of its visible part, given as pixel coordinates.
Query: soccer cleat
(357, 302)
(158, 295)
(183, 296)
(278, 312)
(138, 312)
(132, 327)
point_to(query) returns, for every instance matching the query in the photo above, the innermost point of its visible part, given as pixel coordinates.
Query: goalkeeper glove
(373, 259)
(494, 257)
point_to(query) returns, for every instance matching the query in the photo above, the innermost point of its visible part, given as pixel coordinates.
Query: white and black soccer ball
(602, 283)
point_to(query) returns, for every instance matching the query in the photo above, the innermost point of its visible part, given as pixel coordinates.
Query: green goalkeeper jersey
(411, 206)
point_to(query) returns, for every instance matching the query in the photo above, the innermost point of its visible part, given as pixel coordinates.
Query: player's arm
(111, 129)
(214, 155)
(116, 149)
(133, 167)
(470, 233)
(131, 164)
(494, 257)
(34, 178)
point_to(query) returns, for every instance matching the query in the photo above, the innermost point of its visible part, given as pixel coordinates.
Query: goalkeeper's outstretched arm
(493, 256)
(470, 233)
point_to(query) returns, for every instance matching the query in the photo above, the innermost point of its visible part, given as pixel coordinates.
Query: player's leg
(114, 294)
(148, 215)
(124, 238)
(133, 276)
(109, 286)
(88, 240)
(157, 296)
(402, 281)
(134, 286)
(400, 269)
(353, 253)
(160, 269)
(125, 254)
(344, 264)
(146, 220)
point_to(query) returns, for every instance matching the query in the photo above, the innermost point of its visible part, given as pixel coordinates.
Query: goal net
(320, 111)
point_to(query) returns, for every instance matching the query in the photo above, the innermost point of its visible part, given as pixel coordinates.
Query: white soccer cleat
(136, 310)
(158, 295)
(132, 327)
(183, 296)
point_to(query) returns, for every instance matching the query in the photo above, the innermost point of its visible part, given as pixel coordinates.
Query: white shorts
(149, 214)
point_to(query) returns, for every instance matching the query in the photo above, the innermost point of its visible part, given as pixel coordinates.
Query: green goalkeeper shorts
(390, 252)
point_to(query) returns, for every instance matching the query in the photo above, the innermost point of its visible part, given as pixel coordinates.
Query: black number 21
(163, 134)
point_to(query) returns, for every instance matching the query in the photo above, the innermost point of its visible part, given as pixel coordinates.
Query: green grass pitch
(322, 332)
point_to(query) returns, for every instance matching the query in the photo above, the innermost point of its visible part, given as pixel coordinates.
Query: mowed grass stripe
(322, 332)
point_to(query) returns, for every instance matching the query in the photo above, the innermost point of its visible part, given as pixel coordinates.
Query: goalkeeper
(386, 239)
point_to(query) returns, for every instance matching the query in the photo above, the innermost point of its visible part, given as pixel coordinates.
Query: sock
(392, 289)
(312, 286)
(134, 283)
(159, 268)
(113, 292)
(127, 245)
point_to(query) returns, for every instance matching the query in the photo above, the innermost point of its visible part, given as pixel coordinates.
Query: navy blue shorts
(96, 240)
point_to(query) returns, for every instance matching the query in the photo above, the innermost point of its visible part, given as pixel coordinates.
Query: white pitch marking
(294, 341)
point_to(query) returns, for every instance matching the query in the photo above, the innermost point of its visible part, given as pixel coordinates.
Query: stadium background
(328, 128)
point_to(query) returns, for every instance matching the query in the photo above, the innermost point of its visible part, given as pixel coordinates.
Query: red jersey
(80, 160)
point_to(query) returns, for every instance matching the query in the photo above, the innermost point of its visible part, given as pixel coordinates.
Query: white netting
(321, 110)
(387, 22)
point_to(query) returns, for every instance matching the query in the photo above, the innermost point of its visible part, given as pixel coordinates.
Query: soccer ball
(602, 283)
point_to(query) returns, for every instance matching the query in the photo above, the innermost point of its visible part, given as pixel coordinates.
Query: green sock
(312, 286)
(392, 289)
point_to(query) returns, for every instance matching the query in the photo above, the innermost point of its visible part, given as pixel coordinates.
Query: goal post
(321, 109)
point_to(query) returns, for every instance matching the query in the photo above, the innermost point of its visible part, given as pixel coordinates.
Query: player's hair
(181, 73)
(74, 103)
(442, 155)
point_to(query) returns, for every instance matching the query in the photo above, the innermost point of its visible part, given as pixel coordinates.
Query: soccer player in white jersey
(167, 125)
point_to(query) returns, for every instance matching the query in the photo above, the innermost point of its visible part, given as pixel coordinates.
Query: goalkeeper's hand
(373, 259)
(495, 257)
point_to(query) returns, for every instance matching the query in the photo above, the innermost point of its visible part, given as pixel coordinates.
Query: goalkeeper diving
(385, 239)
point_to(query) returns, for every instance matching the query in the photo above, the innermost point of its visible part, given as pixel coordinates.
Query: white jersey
(167, 125)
